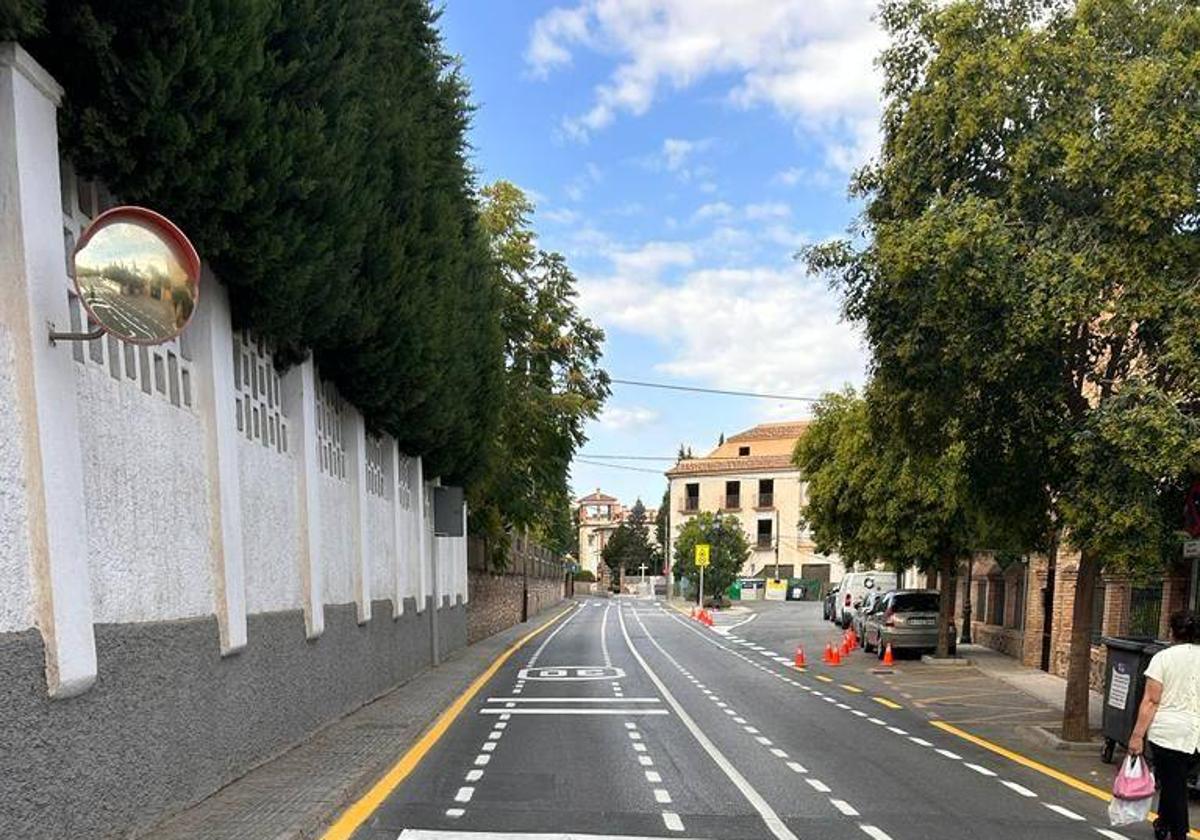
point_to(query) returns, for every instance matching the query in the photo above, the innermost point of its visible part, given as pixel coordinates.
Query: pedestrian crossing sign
(702, 551)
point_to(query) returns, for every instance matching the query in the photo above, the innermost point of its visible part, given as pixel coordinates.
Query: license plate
(922, 622)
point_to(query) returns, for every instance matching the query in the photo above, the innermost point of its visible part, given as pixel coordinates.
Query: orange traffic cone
(828, 655)
(887, 655)
(837, 657)
(708, 619)
(799, 661)
(845, 651)
(853, 639)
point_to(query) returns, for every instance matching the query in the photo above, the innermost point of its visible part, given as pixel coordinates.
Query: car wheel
(879, 649)
(866, 642)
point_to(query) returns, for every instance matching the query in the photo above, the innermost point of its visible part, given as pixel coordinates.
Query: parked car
(830, 598)
(907, 619)
(862, 609)
(854, 587)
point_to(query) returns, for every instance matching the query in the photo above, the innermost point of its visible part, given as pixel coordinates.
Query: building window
(743, 451)
(1145, 606)
(764, 533)
(691, 499)
(733, 495)
(1098, 611)
(766, 492)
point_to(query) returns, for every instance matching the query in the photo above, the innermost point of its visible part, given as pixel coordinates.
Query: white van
(854, 587)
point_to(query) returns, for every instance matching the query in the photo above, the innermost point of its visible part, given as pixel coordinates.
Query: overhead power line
(664, 386)
(630, 457)
(618, 466)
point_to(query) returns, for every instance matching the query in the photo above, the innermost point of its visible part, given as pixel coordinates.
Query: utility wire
(617, 466)
(629, 457)
(664, 386)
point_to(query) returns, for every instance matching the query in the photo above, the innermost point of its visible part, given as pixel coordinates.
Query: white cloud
(755, 328)
(767, 210)
(579, 186)
(649, 261)
(812, 61)
(713, 210)
(676, 152)
(621, 419)
(562, 216)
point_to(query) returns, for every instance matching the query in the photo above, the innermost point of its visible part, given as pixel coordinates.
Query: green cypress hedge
(316, 153)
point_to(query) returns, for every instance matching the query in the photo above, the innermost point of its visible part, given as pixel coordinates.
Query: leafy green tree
(316, 155)
(729, 550)
(662, 522)
(630, 547)
(553, 383)
(872, 499)
(1027, 273)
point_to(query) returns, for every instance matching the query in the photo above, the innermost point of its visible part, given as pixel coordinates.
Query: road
(626, 718)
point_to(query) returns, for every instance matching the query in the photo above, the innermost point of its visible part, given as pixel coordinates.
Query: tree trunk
(947, 580)
(1079, 663)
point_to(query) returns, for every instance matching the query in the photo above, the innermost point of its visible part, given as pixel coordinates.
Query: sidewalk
(299, 793)
(1046, 687)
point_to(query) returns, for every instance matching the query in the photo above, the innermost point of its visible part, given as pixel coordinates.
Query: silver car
(861, 610)
(907, 619)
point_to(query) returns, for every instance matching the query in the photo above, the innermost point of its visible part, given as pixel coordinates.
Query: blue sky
(679, 152)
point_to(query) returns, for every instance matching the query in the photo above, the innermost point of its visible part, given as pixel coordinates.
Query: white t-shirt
(1176, 724)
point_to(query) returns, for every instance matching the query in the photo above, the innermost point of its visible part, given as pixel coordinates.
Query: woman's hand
(1136, 744)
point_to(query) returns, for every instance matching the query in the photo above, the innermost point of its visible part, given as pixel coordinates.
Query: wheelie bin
(1124, 682)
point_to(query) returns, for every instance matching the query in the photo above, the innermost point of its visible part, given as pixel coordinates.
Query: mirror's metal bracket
(56, 336)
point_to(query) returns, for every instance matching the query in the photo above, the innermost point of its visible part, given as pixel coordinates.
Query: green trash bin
(734, 591)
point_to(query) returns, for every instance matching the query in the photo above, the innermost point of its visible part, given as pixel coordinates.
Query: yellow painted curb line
(852, 688)
(883, 701)
(356, 814)
(823, 678)
(1069, 781)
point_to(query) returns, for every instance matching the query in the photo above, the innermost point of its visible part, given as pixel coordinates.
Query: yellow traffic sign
(702, 552)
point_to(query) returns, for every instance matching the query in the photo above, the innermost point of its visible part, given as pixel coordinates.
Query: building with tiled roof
(599, 517)
(751, 475)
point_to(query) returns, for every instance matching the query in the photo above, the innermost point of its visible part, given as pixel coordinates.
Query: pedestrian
(1169, 718)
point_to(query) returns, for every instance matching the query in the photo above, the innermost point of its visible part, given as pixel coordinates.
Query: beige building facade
(752, 476)
(599, 517)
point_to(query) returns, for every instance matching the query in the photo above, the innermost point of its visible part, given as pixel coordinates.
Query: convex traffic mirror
(137, 275)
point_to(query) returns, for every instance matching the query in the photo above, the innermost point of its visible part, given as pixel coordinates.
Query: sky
(679, 153)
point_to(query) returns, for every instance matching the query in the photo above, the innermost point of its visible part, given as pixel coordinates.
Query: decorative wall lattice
(163, 371)
(330, 436)
(260, 415)
(404, 490)
(378, 483)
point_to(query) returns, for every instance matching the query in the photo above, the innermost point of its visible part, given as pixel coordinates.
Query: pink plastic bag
(1134, 780)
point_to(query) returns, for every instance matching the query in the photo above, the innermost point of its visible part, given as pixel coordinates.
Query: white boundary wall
(180, 481)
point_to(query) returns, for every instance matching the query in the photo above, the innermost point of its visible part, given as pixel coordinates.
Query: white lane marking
(877, 721)
(951, 755)
(604, 636)
(1021, 789)
(464, 794)
(482, 759)
(670, 820)
(772, 819)
(630, 725)
(441, 834)
(844, 806)
(505, 716)
(639, 747)
(797, 767)
(739, 720)
(500, 724)
(875, 833)
(1112, 835)
(634, 736)
(897, 730)
(645, 761)
(455, 813)
(577, 711)
(574, 700)
(751, 730)
(729, 711)
(818, 785)
(653, 776)
(494, 736)
(1066, 812)
(474, 775)
(983, 771)
(919, 741)
(533, 659)
(661, 796)
(489, 746)
(778, 753)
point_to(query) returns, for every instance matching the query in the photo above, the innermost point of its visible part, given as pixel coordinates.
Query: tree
(553, 383)
(729, 550)
(316, 154)
(662, 524)
(1028, 268)
(872, 499)
(630, 548)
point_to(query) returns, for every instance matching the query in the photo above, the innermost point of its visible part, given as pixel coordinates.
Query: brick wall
(495, 601)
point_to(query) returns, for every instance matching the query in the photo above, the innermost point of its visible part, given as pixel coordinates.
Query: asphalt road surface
(625, 718)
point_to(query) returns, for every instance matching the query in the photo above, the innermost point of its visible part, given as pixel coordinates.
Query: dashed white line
(921, 742)
(661, 796)
(797, 767)
(455, 812)
(818, 785)
(983, 771)
(843, 806)
(671, 821)
(464, 794)
(474, 775)
(1066, 812)
(653, 776)
(951, 755)
(1021, 789)
(875, 833)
